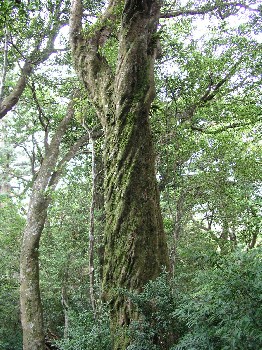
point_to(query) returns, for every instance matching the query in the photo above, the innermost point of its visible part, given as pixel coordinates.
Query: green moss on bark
(135, 244)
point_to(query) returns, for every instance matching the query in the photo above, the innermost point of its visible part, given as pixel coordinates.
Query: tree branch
(209, 95)
(31, 157)
(49, 163)
(94, 134)
(35, 58)
(44, 121)
(208, 9)
(222, 128)
(4, 69)
(90, 64)
(11, 100)
(75, 23)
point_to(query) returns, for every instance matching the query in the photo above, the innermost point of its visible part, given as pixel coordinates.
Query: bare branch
(31, 157)
(41, 114)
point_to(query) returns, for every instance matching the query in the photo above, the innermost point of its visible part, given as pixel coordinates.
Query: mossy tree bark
(135, 244)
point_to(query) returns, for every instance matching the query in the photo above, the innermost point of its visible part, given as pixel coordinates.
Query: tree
(205, 123)
(45, 182)
(29, 41)
(135, 244)
(122, 91)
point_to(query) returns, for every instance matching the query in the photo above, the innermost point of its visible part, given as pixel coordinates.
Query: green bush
(87, 333)
(11, 226)
(224, 310)
(157, 327)
(221, 308)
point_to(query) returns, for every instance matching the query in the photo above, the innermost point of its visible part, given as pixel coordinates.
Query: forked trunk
(135, 244)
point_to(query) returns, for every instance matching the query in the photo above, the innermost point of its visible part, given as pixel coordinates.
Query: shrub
(86, 333)
(224, 310)
(157, 328)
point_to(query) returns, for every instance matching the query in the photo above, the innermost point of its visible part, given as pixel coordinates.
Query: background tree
(28, 33)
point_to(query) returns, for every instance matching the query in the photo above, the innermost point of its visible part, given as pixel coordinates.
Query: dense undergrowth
(215, 308)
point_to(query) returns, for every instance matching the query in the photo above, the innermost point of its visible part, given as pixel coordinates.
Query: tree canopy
(130, 182)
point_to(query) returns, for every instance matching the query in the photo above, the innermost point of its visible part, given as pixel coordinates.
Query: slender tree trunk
(135, 244)
(5, 187)
(47, 178)
(31, 307)
(92, 233)
(96, 223)
(64, 301)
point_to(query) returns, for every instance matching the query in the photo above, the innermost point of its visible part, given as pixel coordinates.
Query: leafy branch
(34, 59)
(220, 8)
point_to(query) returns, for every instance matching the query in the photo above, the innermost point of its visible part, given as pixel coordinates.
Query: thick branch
(50, 160)
(212, 92)
(75, 23)
(11, 100)
(90, 64)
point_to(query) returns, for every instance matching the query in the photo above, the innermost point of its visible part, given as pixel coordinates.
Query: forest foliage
(206, 125)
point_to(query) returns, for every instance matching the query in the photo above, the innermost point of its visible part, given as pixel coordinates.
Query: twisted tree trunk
(135, 244)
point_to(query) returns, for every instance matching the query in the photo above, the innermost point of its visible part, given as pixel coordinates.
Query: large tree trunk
(135, 244)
